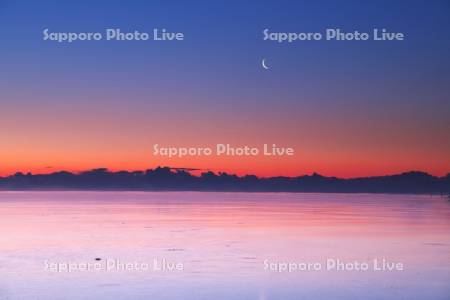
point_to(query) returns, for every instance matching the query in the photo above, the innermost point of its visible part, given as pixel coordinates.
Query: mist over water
(224, 242)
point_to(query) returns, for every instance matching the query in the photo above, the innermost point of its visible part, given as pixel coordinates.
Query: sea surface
(193, 245)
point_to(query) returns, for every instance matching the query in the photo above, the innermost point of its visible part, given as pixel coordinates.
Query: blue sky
(215, 74)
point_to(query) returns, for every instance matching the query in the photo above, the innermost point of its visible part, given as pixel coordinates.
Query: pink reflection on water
(224, 238)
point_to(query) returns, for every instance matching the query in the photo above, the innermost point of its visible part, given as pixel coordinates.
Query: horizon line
(190, 171)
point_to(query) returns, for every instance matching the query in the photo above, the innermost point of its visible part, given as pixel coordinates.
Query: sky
(347, 108)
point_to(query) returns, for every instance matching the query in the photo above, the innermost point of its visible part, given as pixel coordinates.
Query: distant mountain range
(169, 179)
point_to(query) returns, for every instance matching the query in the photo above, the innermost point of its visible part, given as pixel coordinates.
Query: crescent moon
(263, 63)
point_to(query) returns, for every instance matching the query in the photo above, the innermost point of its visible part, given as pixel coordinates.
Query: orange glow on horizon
(258, 168)
(76, 140)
